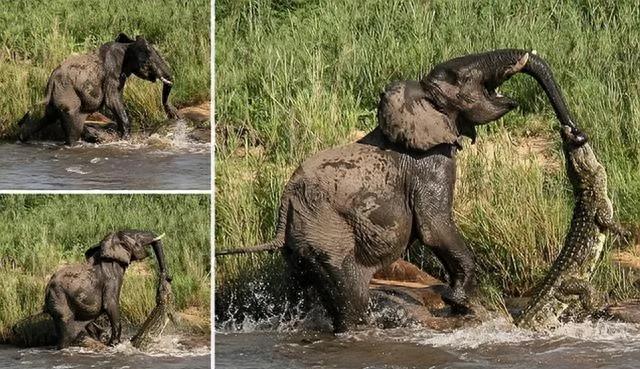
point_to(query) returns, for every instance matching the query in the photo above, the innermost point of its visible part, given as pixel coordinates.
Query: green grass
(36, 36)
(40, 233)
(296, 77)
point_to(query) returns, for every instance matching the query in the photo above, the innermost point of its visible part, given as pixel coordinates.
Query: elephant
(79, 294)
(349, 211)
(85, 83)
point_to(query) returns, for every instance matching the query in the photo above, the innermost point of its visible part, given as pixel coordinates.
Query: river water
(493, 344)
(149, 165)
(168, 354)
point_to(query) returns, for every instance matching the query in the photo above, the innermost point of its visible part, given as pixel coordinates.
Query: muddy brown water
(494, 344)
(148, 165)
(168, 354)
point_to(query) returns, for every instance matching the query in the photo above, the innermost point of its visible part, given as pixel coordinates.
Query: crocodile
(568, 282)
(158, 319)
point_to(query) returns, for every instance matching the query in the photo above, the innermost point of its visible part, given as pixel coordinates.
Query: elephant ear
(408, 118)
(112, 248)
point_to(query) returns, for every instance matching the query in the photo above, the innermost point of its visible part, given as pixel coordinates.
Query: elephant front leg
(439, 232)
(113, 313)
(113, 101)
(447, 244)
(433, 210)
(110, 301)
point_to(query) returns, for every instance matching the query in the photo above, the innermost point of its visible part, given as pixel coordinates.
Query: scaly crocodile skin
(567, 283)
(155, 324)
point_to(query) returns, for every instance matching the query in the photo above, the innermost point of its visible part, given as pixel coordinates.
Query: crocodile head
(582, 165)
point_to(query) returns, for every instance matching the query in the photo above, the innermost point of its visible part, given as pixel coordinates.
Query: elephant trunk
(162, 265)
(502, 64)
(163, 71)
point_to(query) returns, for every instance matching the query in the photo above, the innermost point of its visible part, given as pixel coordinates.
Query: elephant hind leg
(343, 292)
(67, 330)
(73, 123)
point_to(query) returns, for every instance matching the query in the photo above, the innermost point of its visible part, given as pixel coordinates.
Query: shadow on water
(168, 354)
(149, 165)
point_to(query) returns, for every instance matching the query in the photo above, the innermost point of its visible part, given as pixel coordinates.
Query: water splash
(180, 133)
(261, 310)
(167, 345)
(77, 170)
(501, 331)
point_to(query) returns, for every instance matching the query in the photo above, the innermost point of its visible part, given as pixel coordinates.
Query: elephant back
(406, 117)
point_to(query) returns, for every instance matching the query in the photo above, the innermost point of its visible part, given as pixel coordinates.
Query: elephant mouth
(493, 94)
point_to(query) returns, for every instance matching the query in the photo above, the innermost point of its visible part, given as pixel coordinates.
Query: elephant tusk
(518, 66)
(166, 81)
(158, 238)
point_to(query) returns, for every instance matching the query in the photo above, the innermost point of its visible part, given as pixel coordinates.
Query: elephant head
(127, 246)
(144, 61)
(459, 94)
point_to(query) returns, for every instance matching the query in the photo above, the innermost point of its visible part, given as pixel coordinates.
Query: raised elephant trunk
(503, 61)
(158, 250)
(165, 76)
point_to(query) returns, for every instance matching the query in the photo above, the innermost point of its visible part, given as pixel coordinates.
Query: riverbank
(39, 36)
(40, 233)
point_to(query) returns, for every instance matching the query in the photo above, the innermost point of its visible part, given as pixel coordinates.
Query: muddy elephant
(85, 83)
(349, 211)
(77, 295)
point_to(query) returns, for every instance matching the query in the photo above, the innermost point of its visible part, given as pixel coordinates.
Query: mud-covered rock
(625, 311)
(198, 113)
(404, 295)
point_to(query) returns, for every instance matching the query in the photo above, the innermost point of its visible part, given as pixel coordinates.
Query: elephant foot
(458, 301)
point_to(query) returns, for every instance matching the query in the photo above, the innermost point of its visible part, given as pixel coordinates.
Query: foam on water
(498, 331)
(175, 141)
(167, 346)
(77, 170)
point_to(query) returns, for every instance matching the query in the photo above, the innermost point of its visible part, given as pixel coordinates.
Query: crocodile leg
(585, 292)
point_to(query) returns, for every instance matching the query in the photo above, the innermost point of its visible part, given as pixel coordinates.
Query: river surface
(169, 354)
(493, 344)
(149, 165)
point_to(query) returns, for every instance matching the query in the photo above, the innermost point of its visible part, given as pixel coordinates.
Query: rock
(402, 295)
(98, 118)
(625, 311)
(404, 271)
(200, 135)
(199, 113)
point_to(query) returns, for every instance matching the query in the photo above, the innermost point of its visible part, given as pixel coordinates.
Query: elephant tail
(48, 93)
(270, 246)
